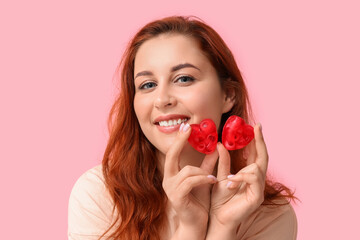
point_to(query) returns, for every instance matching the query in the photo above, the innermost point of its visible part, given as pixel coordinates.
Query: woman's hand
(188, 189)
(235, 197)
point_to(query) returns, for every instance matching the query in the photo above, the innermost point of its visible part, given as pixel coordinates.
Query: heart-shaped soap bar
(236, 133)
(204, 136)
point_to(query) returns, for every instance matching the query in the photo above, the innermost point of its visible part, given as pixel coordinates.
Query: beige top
(90, 214)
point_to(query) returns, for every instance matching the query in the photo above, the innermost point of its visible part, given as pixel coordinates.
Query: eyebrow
(173, 69)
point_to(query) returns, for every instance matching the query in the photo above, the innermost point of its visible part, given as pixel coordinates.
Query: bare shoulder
(271, 222)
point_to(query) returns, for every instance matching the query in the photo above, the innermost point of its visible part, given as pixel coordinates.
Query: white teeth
(171, 122)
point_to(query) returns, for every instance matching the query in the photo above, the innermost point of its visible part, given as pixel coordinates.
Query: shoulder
(270, 222)
(90, 210)
(89, 181)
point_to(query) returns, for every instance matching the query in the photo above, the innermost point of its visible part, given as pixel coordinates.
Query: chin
(163, 149)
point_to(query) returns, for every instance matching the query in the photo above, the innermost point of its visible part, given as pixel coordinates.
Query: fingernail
(228, 185)
(230, 176)
(260, 126)
(212, 177)
(186, 127)
(181, 127)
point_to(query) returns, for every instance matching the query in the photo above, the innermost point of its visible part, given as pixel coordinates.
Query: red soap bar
(236, 133)
(204, 136)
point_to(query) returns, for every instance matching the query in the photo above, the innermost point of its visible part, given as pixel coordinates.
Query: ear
(229, 100)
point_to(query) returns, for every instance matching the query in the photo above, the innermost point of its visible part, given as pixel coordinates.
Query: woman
(152, 184)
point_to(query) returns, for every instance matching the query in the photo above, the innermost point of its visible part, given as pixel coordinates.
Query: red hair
(129, 162)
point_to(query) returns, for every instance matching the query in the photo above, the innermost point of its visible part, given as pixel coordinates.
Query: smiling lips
(170, 123)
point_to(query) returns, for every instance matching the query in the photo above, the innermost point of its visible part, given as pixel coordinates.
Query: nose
(164, 98)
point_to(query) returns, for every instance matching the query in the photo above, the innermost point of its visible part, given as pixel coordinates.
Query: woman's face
(174, 83)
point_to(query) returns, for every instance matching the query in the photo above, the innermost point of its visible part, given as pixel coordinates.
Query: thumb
(171, 166)
(224, 162)
(209, 162)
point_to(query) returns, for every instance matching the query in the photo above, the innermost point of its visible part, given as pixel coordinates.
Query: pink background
(300, 61)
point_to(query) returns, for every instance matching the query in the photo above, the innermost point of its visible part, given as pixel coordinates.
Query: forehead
(166, 51)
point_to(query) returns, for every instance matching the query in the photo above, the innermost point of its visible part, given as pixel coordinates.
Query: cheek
(208, 104)
(136, 107)
(140, 108)
(205, 101)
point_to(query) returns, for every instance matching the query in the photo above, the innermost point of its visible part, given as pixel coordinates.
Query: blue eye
(147, 85)
(185, 79)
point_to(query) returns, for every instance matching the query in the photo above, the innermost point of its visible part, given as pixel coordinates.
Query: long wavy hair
(129, 162)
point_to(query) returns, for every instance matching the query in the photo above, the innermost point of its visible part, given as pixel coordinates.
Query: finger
(251, 152)
(248, 178)
(224, 162)
(251, 169)
(209, 162)
(189, 171)
(262, 154)
(171, 166)
(191, 182)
